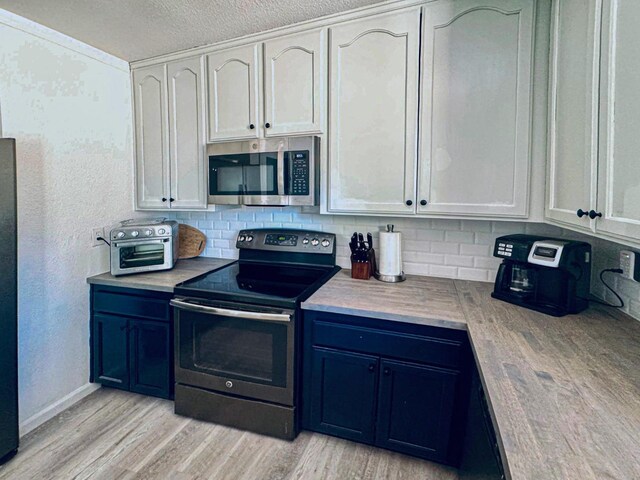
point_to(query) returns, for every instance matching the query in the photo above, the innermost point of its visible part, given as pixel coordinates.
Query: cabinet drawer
(131, 303)
(406, 346)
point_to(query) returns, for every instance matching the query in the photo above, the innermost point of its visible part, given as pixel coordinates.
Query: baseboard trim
(55, 408)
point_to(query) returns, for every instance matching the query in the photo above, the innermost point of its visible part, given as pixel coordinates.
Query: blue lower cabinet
(149, 354)
(110, 351)
(415, 413)
(343, 391)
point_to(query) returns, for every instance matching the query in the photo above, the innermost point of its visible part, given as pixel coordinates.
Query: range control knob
(162, 231)
(326, 243)
(305, 241)
(249, 238)
(120, 234)
(148, 232)
(242, 238)
(315, 242)
(135, 233)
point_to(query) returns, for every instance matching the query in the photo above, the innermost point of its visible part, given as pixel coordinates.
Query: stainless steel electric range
(238, 335)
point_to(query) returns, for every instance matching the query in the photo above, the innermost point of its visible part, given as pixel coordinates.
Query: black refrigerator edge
(9, 435)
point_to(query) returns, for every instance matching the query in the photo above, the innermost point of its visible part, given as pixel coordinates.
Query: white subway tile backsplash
(459, 237)
(443, 247)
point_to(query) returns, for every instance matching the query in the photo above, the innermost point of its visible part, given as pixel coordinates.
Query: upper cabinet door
(152, 142)
(295, 83)
(619, 168)
(233, 93)
(186, 133)
(573, 112)
(475, 110)
(373, 114)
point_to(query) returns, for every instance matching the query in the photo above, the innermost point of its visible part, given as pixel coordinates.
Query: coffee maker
(549, 275)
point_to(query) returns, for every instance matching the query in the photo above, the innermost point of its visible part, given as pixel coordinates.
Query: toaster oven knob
(325, 243)
(162, 231)
(242, 238)
(315, 242)
(148, 232)
(249, 238)
(305, 241)
(135, 233)
(120, 234)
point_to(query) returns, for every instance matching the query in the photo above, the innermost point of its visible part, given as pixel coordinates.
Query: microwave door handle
(224, 312)
(280, 166)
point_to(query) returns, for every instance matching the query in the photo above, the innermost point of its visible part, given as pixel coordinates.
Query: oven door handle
(225, 312)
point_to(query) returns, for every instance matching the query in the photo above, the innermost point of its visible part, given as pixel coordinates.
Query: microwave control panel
(299, 173)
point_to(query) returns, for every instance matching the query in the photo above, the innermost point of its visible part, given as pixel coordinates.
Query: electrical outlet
(95, 233)
(630, 264)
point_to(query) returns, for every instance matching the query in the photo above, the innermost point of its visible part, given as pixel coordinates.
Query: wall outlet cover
(630, 264)
(95, 233)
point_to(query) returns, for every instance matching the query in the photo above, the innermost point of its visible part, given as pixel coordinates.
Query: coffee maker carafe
(549, 275)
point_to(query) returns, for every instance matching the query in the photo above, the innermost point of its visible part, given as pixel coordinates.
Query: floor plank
(114, 435)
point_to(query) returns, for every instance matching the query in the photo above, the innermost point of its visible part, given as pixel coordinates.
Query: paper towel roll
(389, 246)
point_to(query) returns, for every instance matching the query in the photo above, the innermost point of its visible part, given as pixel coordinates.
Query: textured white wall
(71, 115)
(440, 248)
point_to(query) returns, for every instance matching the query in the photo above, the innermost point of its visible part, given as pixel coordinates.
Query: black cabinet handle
(423, 202)
(172, 200)
(164, 199)
(267, 125)
(372, 367)
(252, 126)
(581, 213)
(593, 214)
(409, 202)
(387, 371)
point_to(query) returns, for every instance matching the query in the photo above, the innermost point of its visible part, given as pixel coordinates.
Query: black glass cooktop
(269, 284)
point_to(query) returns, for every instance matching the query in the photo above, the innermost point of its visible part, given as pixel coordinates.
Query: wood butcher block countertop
(564, 393)
(164, 280)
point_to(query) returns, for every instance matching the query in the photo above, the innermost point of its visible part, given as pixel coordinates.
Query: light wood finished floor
(120, 435)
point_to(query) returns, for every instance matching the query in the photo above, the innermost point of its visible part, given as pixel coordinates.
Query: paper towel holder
(389, 278)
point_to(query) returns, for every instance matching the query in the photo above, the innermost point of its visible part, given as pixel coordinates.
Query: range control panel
(298, 173)
(301, 241)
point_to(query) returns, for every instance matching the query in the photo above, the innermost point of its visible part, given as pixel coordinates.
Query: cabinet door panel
(294, 83)
(110, 354)
(619, 169)
(573, 115)
(415, 410)
(233, 93)
(373, 114)
(152, 156)
(150, 358)
(186, 133)
(343, 387)
(476, 93)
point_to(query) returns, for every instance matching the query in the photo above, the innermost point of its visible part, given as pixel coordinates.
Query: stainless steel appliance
(549, 275)
(8, 302)
(237, 331)
(143, 246)
(273, 171)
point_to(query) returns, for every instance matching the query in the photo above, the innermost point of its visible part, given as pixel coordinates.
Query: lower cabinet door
(415, 410)
(110, 355)
(343, 394)
(150, 358)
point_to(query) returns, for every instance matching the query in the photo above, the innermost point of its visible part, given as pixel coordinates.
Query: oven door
(237, 349)
(133, 256)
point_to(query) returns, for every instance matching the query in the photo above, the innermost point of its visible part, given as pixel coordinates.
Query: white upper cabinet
(186, 133)
(619, 167)
(233, 92)
(152, 142)
(373, 114)
(294, 83)
(573, 111)
(476, 108)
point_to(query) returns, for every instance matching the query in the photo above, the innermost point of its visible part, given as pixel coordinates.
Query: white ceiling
(139, 29)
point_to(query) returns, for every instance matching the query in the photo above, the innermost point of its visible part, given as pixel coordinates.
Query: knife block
(363, 270)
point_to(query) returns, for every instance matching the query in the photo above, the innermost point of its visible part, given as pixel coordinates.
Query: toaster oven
(143, 246)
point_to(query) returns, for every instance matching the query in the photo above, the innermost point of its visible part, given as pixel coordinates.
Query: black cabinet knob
(423, 202)
(372, 367)
(252, 126)
(409, 202)
(267, 125)
(387, 371)
(581, 213)
(172, 200)
(593, 214)
(164, 199)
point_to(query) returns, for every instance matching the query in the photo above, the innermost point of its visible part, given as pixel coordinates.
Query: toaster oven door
(136, 256)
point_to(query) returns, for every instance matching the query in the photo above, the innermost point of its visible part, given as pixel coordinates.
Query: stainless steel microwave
(273, 172)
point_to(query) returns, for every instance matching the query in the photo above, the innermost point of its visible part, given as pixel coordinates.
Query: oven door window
(244, 174)
(236, 348)
(141, 255)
